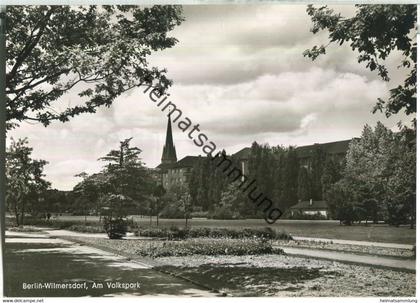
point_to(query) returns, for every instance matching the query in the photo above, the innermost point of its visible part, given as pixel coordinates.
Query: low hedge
(87, 228)
(80, 226)
(22, 229)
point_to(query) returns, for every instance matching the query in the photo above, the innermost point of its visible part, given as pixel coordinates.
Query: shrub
(86, 228)
(23, 229)
(115, 228)
(172, 212)
(224, 213)
(199, 232)
(303, 216)
(200, 214)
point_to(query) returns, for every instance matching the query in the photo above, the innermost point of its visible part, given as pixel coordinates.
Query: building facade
(172, 172)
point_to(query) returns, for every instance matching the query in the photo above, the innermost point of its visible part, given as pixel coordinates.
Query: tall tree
(158, 192)
(24, 179)
(290, 179)
(375, 32)
(126, 175)
(304, 185)
(88, 193)
(318, 159)
(331, 174)
(368, 167)
(402, 182)
(379, 177)
(101, 49)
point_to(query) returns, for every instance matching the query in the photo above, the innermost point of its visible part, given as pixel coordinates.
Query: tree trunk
(412, 214)
(157, 211)
(17, 217)
(22, 217)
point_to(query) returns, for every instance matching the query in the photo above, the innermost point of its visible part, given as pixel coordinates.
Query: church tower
(169, 152)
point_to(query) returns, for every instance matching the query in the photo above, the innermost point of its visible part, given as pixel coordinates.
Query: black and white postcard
(196, 150)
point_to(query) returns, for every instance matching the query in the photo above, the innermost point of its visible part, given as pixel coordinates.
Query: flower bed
(180, 233)
(208, 246)
(202, 246)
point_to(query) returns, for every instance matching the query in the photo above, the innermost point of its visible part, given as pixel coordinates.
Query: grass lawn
(305, 228)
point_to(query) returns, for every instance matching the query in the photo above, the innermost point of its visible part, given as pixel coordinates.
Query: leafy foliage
(123, 186)
(100, 49)
(375, 31)
(278, 172)
(25, 180)
(231, 203)
(304, 185)
(177, 203)
(379, 178)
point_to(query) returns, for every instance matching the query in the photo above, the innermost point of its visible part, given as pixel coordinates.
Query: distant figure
(48, 216)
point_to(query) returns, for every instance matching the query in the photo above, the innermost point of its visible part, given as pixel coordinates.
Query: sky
(239, 72)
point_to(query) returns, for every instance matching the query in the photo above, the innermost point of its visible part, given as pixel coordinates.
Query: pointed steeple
(169, 152)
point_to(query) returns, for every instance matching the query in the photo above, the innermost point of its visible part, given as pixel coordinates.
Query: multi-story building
(173, 172)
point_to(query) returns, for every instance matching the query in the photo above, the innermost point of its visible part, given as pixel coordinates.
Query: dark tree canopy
(374, 32)
(51, 49)
(25, 180)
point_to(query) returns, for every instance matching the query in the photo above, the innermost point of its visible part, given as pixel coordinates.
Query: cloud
(276, 103)
(239, 72)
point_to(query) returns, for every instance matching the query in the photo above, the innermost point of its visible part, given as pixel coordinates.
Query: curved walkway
(365, 259)
(353, 242)
(41, 259)
(346, 257)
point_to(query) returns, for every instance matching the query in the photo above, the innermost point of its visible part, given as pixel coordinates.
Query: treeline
(375, 181)
(278, 172)
(379, 178)
(124, 186)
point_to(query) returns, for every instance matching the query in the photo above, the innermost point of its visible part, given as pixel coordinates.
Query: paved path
(62, 232)
(68, 233)
(365, 259)
(352, 242)
(40, 258)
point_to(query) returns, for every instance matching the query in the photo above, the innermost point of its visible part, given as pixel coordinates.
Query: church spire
(169, 152)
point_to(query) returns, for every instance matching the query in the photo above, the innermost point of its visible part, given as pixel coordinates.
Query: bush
(115, 228)
(200, 214)
(224, 213)
(62, 224)
(171, 212)
(86, 228)
(211, 247)
(22, 229)
(168, 233)
(302, 216)
(50, 223)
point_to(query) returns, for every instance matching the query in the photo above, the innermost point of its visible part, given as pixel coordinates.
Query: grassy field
(305, 228)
